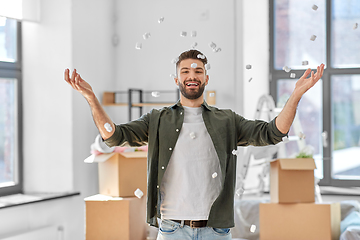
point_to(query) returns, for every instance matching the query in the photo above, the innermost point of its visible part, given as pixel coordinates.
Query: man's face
(191, 79)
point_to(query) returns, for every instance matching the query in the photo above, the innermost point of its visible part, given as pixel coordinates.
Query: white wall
(93, 55)
(150, 67)
(255, 52)
(47, 100)
(240, 28)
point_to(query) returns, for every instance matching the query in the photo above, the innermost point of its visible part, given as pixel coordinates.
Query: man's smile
(192, 84)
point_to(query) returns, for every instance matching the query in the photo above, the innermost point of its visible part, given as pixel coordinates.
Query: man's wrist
(91, 98)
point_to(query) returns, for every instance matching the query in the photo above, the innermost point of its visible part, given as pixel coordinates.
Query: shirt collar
(204, 105)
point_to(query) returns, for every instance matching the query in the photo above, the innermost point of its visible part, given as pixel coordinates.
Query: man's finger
(318, 72)
(76, 82)
(306, 73)
(73, 75)
(66, 75)
(77, 79)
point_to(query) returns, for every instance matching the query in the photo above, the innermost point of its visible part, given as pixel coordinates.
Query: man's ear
(207, 80)
(176, 81)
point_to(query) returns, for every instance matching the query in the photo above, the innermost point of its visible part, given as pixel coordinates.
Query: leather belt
(193, 223)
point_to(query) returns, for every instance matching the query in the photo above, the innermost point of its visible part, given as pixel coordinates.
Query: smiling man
(192, 150)
(191, 79)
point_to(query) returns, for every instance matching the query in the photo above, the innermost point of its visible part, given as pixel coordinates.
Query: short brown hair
(191, 54)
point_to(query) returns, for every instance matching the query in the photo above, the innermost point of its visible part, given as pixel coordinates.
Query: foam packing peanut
(138, 193)
(161, 20)
(138, 46)
(108, 127)
(183, 34)
(194, 45)
(286, 69)
(212, 45)
(146, 35)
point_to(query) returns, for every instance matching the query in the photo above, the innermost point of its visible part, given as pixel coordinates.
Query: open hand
(304, 84)
(78, 83)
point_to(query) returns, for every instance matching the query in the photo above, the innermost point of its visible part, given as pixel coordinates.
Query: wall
(151, 66)
(241, 34)
(93, 55)
(47, 100)
(256, 52)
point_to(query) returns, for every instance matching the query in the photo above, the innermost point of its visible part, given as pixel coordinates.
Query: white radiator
(45, 233)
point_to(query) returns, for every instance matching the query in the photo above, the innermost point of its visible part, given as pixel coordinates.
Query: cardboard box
(300, 221)
(115, 218)
(123, 173)
(292, 180)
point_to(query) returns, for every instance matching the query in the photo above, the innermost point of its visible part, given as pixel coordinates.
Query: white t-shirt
(192, 180)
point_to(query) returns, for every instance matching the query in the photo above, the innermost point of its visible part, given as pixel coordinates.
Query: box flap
(98, 158)
(101, 197)
(136, 154)
(297, 163)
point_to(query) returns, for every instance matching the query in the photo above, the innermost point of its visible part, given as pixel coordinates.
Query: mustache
(192, 80)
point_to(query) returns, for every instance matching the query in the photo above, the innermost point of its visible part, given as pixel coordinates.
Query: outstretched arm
(102, 120)
(287, 115)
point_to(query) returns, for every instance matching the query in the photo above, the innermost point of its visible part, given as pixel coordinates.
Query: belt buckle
(193, 224)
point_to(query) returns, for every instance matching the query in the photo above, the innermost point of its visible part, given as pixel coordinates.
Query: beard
(192, 93)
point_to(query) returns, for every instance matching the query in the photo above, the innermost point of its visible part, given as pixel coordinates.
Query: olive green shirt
(160, 129)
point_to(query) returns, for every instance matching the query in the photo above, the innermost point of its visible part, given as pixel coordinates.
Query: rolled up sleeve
(257, 132)
(134, 133)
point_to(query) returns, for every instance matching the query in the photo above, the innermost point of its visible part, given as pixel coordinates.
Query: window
(329, 113)
(10, 107)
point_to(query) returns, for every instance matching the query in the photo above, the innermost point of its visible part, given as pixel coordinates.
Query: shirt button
(180, 113)
(170, 149)
(162, 167)
(177, 129)
(157, 186)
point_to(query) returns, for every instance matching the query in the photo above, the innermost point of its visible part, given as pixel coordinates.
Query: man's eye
(199, 71)
(184, 71)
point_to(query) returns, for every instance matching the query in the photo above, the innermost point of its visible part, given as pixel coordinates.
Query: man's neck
(191, 102)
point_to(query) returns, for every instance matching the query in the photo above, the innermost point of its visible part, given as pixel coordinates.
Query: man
(192, 150)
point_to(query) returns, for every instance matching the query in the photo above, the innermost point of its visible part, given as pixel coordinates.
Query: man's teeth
(192, 84)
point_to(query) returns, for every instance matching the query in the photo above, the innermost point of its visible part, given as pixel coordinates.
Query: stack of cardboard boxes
(116, 213)
(292, 212)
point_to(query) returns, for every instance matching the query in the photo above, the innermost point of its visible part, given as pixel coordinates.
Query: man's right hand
(79, 84)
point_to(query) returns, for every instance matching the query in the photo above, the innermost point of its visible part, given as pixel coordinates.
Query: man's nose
(192, 74)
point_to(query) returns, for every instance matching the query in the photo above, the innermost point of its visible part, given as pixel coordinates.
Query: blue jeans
(170, 230)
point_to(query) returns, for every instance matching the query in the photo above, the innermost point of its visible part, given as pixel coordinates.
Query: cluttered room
(159, 120)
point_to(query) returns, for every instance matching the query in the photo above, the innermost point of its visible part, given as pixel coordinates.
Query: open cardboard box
(292, 180)
(123, 173)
